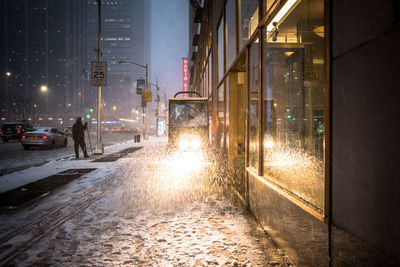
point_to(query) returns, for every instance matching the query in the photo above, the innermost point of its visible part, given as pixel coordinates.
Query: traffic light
(289, 115)
(89, 113)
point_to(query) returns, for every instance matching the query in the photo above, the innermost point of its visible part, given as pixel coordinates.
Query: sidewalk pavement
(153, 217)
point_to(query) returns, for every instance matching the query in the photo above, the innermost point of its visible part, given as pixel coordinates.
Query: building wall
(125, 36)
(365, 156)
(359, 223)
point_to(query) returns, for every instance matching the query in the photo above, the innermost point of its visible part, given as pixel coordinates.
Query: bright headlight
(269, 144)
(195, 144)
(183, 144)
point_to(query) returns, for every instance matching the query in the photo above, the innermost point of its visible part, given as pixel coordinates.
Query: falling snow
(150, 210)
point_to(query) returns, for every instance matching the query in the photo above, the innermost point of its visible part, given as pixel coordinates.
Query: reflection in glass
(230, 32)
(227, 112)
(209, 74)
(253, 106)
(294, 100)
(248, 20)
(189, 114)
(221, 50)
(267, 4)
(221, 114)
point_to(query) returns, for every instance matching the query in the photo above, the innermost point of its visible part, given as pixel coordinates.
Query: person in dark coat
(78, 134)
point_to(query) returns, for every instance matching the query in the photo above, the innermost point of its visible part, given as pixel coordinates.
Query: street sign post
(147, 96)
(99, 73)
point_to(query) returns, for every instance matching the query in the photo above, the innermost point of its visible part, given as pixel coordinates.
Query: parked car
(68, 131)
(123, 130)
(14, 130)
(44, 137)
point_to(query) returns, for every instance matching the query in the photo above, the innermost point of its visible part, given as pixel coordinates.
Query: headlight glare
(195, 144)
(183, 144)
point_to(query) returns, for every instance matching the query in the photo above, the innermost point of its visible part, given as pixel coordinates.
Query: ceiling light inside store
(282, 14)
(289, 53)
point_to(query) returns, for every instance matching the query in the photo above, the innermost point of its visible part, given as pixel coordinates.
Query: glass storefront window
(253, 105)
(248, 20)
(267, 5)
(227, 112)
(294, 100)
(221, 50)
(221, 115)
(230, 32)
(209, 74)
(240, 111)
(205, 93)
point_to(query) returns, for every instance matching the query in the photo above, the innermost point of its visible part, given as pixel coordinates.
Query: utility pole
(146, 117)
(157, 101)
(99, 144)
(146, 133)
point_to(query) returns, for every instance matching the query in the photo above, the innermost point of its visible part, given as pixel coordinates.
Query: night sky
(170, 40)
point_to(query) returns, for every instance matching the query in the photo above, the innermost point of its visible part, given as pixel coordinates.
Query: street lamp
(99, 149)
(146, 133)
(8, 74)
(44, 88)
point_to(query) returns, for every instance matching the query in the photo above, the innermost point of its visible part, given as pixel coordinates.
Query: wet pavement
(134, 214)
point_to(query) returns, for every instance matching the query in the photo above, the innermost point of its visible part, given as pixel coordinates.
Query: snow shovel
(90, 143)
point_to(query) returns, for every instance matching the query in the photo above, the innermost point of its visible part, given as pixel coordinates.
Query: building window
(294, 100)
(221, 50)
(221, 115)
(230, 12)
(227, 113)
(206, 89)
(253, 106)
(209, 74)
(267, 5)
(248, 20)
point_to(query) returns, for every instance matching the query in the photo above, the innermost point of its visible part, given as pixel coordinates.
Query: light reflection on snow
(171, 180)
(180, 171)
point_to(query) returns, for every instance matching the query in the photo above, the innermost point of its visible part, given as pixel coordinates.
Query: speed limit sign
(99, 73)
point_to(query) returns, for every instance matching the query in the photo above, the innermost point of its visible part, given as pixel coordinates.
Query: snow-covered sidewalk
(19, 178)
(154, 212)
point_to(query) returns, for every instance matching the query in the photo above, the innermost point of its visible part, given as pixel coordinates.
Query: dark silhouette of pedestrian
(78, 134)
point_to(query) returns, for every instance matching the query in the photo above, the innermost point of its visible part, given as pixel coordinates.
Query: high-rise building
(125, 31)
(43, 45)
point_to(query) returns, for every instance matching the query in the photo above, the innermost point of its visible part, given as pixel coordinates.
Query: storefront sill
(309, 208)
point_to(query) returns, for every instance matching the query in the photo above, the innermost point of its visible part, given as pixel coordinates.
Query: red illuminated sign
(185, 69)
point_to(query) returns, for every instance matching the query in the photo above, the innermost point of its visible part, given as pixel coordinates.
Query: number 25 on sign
(99, 73)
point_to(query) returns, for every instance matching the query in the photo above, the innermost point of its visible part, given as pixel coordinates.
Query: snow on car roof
(40, 129)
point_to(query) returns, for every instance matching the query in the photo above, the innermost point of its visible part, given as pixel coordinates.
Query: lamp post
(6, 95)
(44, 90)
(157, 101)
(146, 117)
(99, 149)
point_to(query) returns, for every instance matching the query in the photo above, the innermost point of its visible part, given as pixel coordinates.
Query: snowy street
(13, 157)
(148, 208)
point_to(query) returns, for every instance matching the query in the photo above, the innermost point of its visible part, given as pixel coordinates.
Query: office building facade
(295, 89)
(43, 53)
(125, 36)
